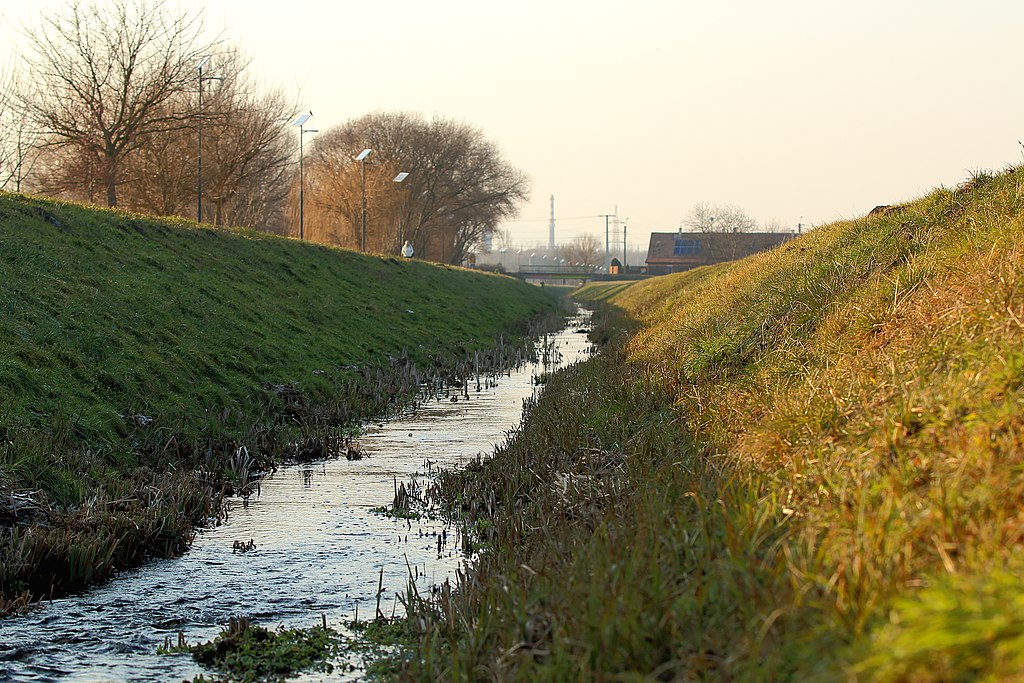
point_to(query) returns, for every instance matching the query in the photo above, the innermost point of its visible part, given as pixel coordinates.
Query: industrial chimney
(551, 226)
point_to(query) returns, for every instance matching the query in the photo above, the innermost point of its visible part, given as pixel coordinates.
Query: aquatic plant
(380, 644)
(248, 653)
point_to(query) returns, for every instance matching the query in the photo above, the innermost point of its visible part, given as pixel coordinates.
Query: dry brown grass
(822, 479)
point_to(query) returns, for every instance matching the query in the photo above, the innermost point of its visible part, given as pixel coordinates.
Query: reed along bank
(148, 367)
(803, 466)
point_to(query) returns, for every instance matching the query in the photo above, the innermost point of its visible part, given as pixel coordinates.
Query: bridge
(556, 272)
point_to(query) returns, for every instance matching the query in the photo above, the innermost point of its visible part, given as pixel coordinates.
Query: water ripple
(318, 549)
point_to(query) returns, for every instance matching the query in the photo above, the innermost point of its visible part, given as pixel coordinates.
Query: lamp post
(300, 123)
(361, 158)
(401, 226)
(199, 130)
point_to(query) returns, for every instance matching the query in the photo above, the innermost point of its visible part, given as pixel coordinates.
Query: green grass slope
(806, 465)
(131, 348)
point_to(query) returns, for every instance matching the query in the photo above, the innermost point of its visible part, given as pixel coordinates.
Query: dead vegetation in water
(49, 550)
(58, 551)
(408, 503)
(173, 346)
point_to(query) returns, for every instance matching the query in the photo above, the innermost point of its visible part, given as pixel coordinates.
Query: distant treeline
(129, 104)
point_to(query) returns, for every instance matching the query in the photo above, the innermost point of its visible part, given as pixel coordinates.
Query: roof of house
(723, 244)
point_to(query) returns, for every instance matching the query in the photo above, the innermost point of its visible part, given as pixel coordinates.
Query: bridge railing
(557, 271)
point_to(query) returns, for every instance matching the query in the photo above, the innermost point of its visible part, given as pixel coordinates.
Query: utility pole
(616, 222)
(607, 252)
(625, 224)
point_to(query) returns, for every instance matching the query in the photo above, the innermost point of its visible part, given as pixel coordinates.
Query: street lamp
(199, 129)
(300, 124)
(401, 226)
(361, 158)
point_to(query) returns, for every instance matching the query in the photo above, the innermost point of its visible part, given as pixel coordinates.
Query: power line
(546, 218)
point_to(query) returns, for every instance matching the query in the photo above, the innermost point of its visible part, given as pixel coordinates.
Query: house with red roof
(673, 252)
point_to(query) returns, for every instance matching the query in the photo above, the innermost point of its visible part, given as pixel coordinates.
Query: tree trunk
(110, 176)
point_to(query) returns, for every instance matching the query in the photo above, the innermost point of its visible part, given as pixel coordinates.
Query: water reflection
(311, 546)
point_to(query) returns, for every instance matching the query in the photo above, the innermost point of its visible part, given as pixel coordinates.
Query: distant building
(673, 252)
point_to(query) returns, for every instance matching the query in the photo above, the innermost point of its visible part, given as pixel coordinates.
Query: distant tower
(551, 226)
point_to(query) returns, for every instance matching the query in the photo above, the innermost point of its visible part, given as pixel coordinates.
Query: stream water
(318, 550)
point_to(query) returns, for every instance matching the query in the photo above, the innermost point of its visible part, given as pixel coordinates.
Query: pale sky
(792, 109)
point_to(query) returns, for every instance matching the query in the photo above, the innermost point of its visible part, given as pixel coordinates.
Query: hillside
(133, 351)
(806, 465)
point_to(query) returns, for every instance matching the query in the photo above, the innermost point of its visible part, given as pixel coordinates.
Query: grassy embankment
(807, 465)
(138, 356)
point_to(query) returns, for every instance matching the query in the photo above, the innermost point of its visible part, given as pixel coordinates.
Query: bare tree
(333, 195)
(722, 225)
(246, 153)
(705, 217)
(6, 119)
(19, 141)
(774, 225)
(248, 156)
(458, 189)
(69, 170)
(502, 238)
(586, 250)
(160, 176)
(106, 75)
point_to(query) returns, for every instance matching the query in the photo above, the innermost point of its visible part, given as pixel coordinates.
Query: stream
(319, 550)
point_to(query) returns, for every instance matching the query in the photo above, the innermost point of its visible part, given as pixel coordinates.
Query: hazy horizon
(800, 110)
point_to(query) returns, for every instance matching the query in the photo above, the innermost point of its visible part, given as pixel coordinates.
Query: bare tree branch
(585, 250)
(459, 187)
(247, 154)
(106, 75)
(721, 223)
(705, 217)
(19, 141)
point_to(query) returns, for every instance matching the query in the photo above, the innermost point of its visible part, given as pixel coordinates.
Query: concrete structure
(551, 226)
